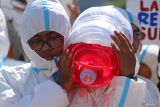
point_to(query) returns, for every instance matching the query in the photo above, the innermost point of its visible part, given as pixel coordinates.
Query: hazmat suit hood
(4, 39)
(43, 15)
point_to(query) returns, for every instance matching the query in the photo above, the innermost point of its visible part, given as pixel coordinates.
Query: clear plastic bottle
(90, 44)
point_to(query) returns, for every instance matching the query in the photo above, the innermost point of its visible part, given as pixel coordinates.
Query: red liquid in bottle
(95, 65)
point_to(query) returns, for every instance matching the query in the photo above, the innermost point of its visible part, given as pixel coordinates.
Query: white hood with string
(31, 85)
(122, 92)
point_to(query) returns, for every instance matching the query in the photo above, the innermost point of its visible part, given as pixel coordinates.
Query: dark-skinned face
(47, 44)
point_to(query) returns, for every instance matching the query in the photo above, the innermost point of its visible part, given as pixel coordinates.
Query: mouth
(48, 58)
(47, 55)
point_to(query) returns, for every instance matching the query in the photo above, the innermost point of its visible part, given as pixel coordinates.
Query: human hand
(125, 53)
(66, 71)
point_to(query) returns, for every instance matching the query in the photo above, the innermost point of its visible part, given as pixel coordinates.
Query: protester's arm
(46, 94)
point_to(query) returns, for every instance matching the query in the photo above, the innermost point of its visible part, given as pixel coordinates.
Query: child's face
(47, 44)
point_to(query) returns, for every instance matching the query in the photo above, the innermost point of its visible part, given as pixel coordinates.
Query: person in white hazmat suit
(152, 93)
(45, 26)
(149, 59)
(150, 69)
(5, 45)
(116, 94)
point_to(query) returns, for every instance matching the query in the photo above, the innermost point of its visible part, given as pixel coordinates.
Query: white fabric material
(96, 24)
(5, 44)
(129, 16)
(33, 24)
(159, 70)
(142, 93)
(51, 94)
(109, 96)
(152, 93)
(4, 40)
(11, 62)
(13, 10)
(20, 86)
(57, 18)
(136, 93)
(8, 7)
(150, 58)
(137, 66)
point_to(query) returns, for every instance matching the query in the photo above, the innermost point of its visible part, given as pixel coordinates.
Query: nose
(45, 47)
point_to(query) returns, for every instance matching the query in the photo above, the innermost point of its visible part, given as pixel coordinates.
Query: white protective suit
(148, 55)
(5, 44)
(122, 92)
(31, 84)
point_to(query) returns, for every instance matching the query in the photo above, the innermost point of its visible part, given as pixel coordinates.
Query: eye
(36, 44)
(55, 42)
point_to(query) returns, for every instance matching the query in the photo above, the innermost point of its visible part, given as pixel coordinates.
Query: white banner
(148, 14)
